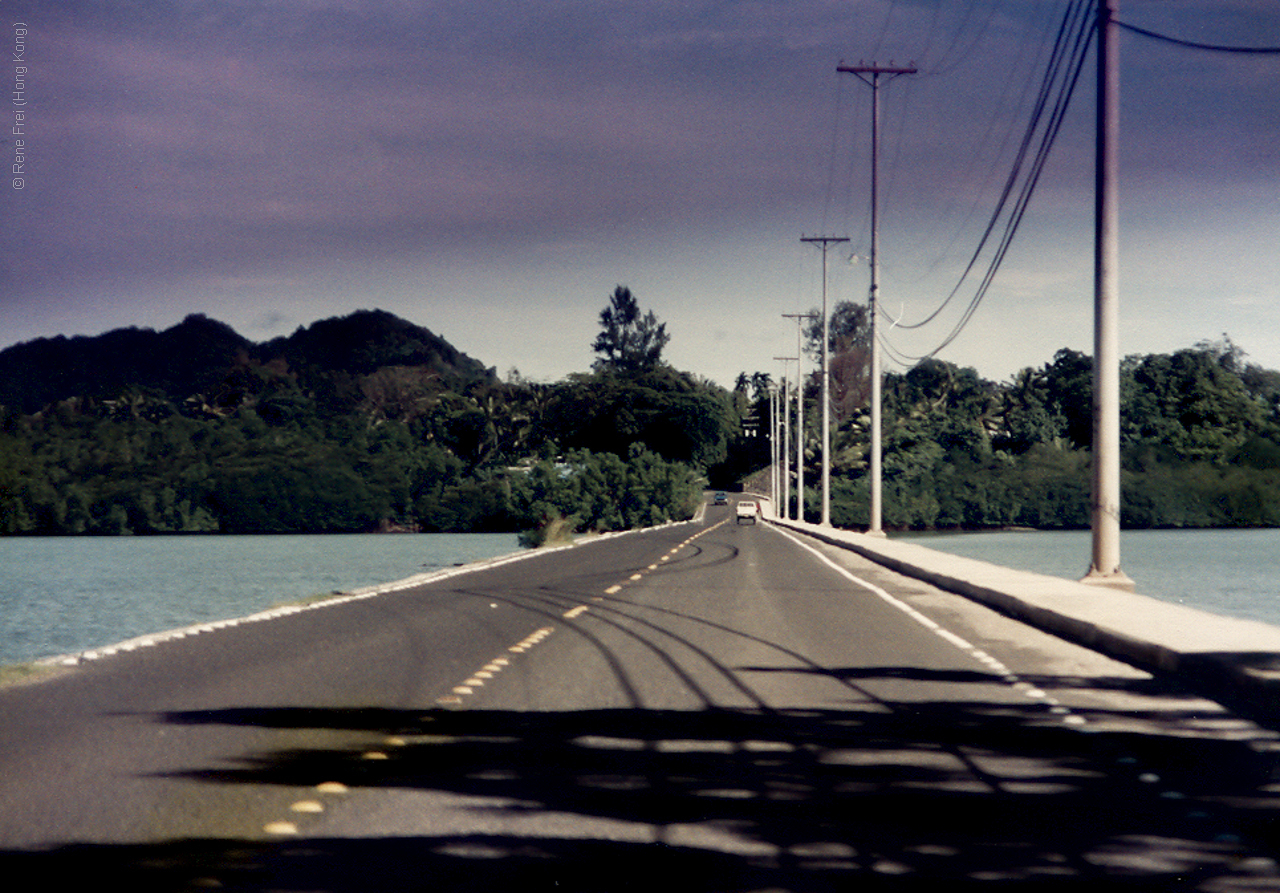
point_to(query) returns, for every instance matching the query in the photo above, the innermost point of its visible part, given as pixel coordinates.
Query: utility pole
(825, 242)
(773, 444)
(871, 75)
(798, 317)
(786, 440)
(1105, 567)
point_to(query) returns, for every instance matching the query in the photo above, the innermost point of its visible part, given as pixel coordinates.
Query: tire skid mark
(997, 666)
(288, 827)
(150, 640)
(1128, 765)
(669, 555)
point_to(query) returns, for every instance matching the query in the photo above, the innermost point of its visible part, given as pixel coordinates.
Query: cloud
(326, 154)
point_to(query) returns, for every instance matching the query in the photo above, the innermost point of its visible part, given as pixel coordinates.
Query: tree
(670, 412)
(761, 384)
(1191, 405)
(849, 327)
(1028, 418)
(1068, 391)
(629, 341)
(849, 354)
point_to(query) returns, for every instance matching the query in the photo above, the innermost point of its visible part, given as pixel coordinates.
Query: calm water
(1235, 572)
(62, 595)
(66, 594)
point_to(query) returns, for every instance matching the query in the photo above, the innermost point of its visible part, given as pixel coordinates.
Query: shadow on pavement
(954, 796)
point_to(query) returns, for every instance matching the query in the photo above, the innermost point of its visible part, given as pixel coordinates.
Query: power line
(1024, 199)
(1194, 45)
(1037, 113)
(1016, 90)
(1066, 62)
(943, 66)
(1083, 38)
(835, 143)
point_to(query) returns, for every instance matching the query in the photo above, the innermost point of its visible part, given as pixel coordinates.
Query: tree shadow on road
(970, 795)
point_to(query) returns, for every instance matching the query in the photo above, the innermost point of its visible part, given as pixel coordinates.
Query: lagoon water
(60, 595)
(1233, 572)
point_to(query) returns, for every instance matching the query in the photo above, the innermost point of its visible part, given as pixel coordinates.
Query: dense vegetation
(361, 423)
(368, 422)
(1200, 441)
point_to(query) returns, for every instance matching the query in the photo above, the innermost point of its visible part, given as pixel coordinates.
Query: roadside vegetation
(368, 422)
(355, 424)
(1200, 440)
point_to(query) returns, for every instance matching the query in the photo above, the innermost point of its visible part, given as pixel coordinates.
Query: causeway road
(708, 706)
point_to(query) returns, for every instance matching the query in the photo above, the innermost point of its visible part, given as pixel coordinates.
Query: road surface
(700, 707)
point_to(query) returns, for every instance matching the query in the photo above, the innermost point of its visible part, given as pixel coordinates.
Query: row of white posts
(783, 451)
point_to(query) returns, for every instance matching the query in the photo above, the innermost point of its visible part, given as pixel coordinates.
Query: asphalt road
(703, 707)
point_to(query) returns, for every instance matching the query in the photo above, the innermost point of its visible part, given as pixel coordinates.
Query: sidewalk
(1236, 662)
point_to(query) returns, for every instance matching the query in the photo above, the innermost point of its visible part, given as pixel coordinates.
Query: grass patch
(555, 531)
(310, 599)
(21, 674)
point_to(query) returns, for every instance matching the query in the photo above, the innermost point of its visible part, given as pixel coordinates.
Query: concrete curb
(1234, 661)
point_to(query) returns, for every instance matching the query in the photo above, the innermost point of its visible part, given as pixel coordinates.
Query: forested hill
(196, 358)
(369, 422)
(364, 422)
(191, 356)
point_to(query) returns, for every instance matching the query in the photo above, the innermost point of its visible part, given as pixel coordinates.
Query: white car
(746, 509)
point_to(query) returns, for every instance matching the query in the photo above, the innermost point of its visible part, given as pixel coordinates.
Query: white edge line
(902, 606)
(151, 639)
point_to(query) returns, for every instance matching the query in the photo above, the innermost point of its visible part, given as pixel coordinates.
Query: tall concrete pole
(799, 317)
(873, 74)
(825, 242)
(1105, 567)
(799, 428)
(873, 301)
(786, 441)
(786, 452)
(773, 445)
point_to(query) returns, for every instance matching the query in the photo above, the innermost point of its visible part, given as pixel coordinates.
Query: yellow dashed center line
(476, 680)
(494, 667)
(675, 550)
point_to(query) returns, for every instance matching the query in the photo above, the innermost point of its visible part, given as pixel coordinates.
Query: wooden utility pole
(1105, 569)
(825, 242)
(871, 75)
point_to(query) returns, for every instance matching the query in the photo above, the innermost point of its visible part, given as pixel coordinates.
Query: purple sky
(493, 170)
